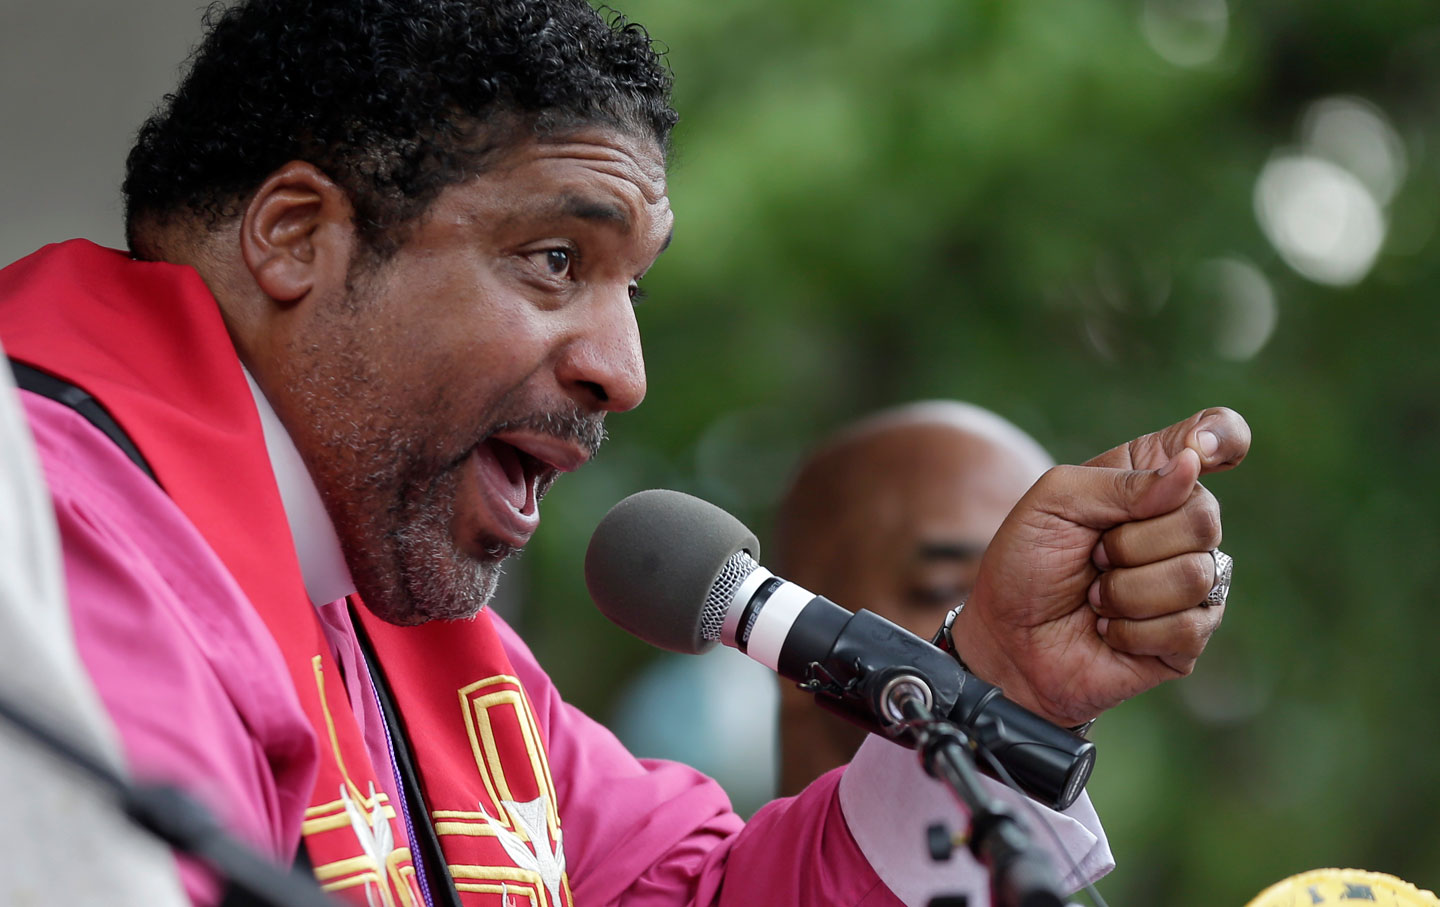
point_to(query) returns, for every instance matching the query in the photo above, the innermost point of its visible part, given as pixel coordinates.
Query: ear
(298, 233)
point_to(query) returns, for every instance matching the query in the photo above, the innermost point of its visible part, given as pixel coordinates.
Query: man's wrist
(964, 636)
(961, 636)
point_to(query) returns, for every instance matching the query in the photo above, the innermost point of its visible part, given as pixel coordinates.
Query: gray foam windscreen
(653, 559)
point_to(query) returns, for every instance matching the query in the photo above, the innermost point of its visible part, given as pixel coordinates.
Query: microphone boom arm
(1020, 873)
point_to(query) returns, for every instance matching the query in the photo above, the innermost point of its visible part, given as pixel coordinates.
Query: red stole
(147, 341)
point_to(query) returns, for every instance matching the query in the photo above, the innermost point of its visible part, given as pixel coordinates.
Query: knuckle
(1227, 417)
(1195, 630)
(1182, 666)
(1214, 614)
(1196, 576)
(1203, 495)
(1062, 474)
(1204, 518)
(1056, 482)
(1134, 482)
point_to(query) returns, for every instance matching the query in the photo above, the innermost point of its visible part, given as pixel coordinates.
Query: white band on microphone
(774, 622)
(730, 631)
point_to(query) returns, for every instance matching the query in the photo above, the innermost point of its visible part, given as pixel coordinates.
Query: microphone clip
(821, 682)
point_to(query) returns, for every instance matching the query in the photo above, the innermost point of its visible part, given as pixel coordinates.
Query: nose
(602, 367)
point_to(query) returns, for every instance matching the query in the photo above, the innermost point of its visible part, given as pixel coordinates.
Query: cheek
(451, 313)
(472, 364)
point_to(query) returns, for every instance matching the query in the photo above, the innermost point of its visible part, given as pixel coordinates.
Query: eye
(557, 261)
(637, 295)
(932, 594)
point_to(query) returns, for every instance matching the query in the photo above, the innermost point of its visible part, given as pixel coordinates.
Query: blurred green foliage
(1016, 203)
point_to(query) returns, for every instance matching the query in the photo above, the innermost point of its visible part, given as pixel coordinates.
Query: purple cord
(415, 860)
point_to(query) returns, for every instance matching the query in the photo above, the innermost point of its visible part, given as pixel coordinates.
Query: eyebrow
(588, 209)
(950, 551)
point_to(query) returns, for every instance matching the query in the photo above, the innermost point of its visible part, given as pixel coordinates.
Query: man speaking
(378, 297)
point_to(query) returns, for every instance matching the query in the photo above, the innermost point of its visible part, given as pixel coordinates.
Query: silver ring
(1224, 567)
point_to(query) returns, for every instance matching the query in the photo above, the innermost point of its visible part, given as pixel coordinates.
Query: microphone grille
(722, 593)
(654, 560)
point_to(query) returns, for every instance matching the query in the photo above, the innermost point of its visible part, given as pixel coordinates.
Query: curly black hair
(392, 99)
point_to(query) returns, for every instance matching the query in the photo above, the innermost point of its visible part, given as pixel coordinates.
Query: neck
(322, 561)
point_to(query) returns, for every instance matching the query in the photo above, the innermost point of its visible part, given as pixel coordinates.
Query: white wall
(76, 80)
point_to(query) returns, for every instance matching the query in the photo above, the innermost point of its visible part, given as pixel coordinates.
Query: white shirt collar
(322, 565)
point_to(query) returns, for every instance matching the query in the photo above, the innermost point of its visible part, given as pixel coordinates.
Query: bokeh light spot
(1356, 134)
(1320, 217)
(1186, 33)
(1245, 309)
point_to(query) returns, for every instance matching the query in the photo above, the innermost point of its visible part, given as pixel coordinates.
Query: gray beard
(431, 579)
(394, 526)
(392, 506)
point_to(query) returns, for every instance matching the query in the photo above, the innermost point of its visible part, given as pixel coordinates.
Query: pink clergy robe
(200, 697)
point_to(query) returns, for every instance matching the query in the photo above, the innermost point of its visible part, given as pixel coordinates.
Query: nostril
(596, 390)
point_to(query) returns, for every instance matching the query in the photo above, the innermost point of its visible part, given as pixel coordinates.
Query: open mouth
(512, 474)
(508, 478)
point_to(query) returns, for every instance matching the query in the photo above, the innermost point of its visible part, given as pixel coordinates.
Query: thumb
(1151, 493)
(1219, 436)
(1102, 498)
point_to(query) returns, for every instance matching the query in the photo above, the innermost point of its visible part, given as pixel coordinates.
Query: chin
(409, 564)
(447, 585)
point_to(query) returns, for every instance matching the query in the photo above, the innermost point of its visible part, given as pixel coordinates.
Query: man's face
(896, 523)
(447, 387)
(920, 504)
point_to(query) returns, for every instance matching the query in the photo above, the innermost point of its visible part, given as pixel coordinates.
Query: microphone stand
(1020, 873)
(182, 822)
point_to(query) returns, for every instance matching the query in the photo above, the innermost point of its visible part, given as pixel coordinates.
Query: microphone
(681, 574)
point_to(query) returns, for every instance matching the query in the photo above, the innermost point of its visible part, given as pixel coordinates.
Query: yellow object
(1344, 888)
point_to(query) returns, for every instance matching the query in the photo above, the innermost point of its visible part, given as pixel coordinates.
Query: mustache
(574, 426)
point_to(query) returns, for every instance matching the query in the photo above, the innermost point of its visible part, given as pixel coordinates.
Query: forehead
(565, 170)
(927, 480)
(613, 153)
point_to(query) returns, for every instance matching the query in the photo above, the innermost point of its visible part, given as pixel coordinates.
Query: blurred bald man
(892, 515)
